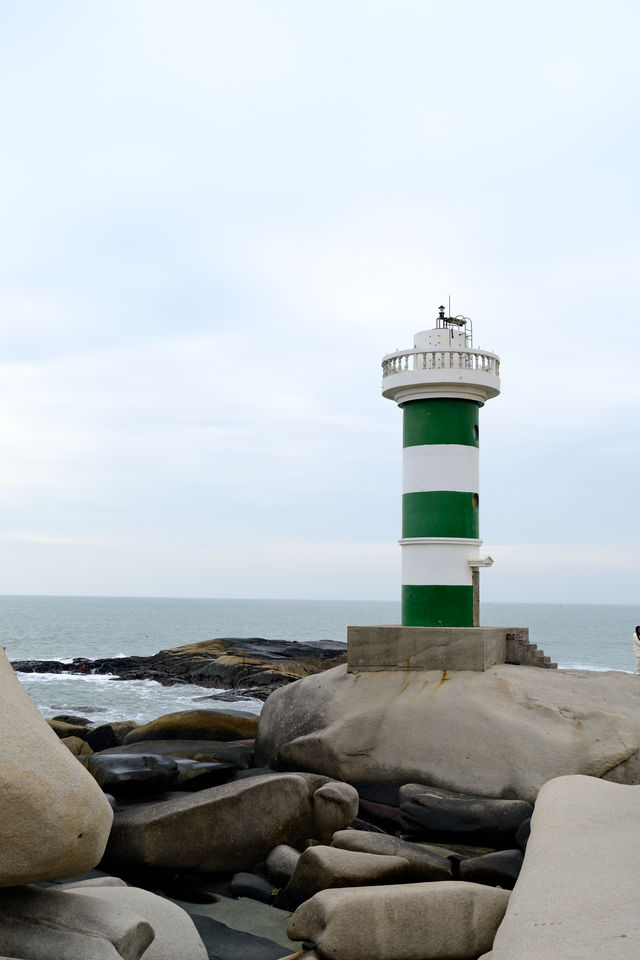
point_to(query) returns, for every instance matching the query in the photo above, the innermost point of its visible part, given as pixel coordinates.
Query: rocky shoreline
(338, 820)
(255, 666)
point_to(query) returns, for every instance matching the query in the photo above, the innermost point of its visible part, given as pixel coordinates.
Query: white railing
(417, 360)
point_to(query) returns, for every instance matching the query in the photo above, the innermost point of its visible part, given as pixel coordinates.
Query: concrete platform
(434, 648)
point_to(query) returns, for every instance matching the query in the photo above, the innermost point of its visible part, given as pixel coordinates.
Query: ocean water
(589, 636)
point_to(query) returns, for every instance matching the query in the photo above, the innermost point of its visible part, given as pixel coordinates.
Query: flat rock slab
(577, 894)
(501, 733)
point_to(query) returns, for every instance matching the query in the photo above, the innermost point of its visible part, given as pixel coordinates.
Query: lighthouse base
(440, 648)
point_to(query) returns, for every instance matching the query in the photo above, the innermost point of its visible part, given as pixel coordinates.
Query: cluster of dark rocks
(194, 817)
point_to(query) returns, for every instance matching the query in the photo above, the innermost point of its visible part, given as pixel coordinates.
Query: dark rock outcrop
(256, 665)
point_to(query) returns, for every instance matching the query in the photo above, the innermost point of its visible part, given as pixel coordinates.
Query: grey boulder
(175, 935)
(52, 924)
(448, 920)
(55, 819)
(499, 733)
(230, 827)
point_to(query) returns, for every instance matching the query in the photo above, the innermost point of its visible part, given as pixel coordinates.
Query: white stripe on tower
(438, 560)
(443, 466)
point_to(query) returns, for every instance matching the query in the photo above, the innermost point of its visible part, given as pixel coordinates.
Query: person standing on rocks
(636, 648)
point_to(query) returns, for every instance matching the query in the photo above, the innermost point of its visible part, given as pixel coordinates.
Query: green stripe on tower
(437, 606)
(440, 513)
(451, 514)
(440, 420)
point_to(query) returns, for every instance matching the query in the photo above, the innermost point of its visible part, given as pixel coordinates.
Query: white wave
(91, 677)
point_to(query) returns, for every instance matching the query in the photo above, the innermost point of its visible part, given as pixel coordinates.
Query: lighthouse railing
(417, 360)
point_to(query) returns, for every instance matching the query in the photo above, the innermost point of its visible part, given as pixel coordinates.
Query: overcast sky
(218, 217)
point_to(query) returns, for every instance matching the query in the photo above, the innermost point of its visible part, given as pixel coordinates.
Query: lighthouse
(440, 385)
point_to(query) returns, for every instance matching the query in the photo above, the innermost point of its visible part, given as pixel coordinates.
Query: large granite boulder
(229, 827)
(577, 893)
(55, 819)
(501, 733)
(444, 920)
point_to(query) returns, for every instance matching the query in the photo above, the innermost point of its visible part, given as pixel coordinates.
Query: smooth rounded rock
(175, 935)
(424, 864)
(65, 729)
(55, 820)
(333, 804)
(109, 734)
(443, 815)
(448, 920)
(325, 868)
(197, 725)
(222, 829)
(499, 733)
(131, 775)
(76, 746)
(281, 863)
(251, 886)
(53, 924)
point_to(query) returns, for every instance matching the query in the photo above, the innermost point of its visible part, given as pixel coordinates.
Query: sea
(577, 636)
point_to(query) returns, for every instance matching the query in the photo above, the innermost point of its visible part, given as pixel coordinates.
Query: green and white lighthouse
(440, 385)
